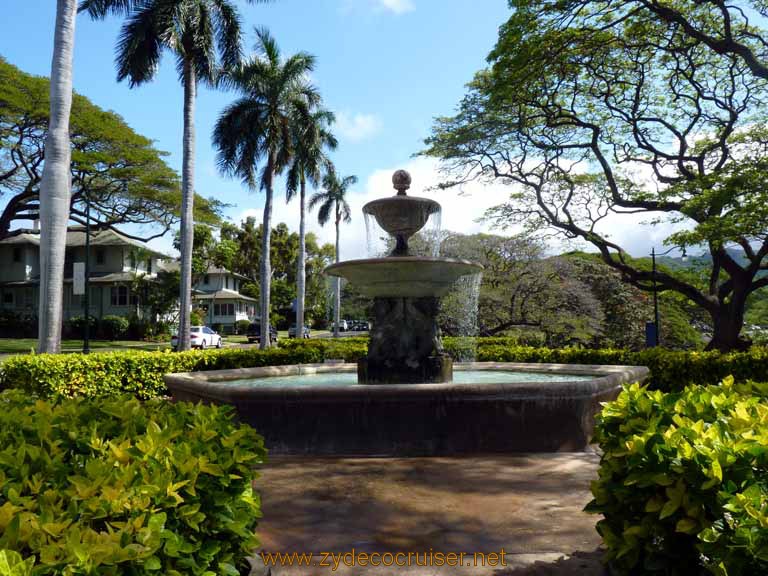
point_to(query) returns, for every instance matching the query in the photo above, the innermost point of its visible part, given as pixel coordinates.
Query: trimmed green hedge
(118, 486)
(141, 373)
(669, 370)
(683, 480)
(137, 373)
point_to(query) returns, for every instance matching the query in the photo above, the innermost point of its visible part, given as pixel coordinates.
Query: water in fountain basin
(459, 377)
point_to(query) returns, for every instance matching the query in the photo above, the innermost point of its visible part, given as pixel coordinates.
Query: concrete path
(528, 506)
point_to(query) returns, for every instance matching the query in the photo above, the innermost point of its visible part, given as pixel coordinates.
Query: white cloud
(357, 127)
(397, 6)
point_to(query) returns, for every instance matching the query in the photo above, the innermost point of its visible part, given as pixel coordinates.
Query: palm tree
(56, 184)
(311, 138)
(333, 200)
(202, 34)
(258, 126)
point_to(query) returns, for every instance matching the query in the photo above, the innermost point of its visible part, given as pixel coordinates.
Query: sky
(385, 67)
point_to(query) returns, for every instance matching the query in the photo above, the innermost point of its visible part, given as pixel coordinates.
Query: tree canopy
(593, 110)
(127, 179)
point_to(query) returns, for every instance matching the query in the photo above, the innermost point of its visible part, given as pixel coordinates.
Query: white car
(200, 337)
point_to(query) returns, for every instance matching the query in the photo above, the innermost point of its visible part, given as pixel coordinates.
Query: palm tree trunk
(266, 265)
(337, 282)
(55, 188)
(301, 273)
(187, 205)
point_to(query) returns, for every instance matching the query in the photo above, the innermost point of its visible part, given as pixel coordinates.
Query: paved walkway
(528, 505)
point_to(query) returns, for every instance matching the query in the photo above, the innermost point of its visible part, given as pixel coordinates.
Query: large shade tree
(254, 135)
(312, 140)
(203, 35)
(123, 176)
(332, 201)
(55, 184)
(591, 110)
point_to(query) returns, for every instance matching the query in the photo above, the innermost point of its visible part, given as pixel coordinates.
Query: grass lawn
(25, 345)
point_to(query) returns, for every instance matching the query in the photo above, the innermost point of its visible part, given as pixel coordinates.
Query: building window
(206, 279)
(234, 285)
(223, 309)
(132, 261)
(119, 296)
(149, 265)
(100, 256)
(17, 253)
(28, 298)
(8, 298)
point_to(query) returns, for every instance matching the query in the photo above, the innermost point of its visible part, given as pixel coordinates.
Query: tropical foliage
(682, 480)
(126, 179)
(202, 35)
(598, 109)
(118, 486)
(332, 202)
(258, 128)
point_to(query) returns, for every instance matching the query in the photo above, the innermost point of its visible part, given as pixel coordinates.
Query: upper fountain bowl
(402, 215)
(403, 276)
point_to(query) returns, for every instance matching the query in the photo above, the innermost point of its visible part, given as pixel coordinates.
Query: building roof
(173, 265)
(94, 278)
(76, 238)
(222, 294)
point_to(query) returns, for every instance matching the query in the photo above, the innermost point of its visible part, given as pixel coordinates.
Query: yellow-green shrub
(683, 480)
(137, 373)
(118, 486)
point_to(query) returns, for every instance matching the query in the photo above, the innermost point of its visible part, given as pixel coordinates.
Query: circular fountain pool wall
(490, 407)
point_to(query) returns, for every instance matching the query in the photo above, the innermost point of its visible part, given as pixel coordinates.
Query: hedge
(683, 480)
(669, 370)
(118, 486)
(132, 372)
(141, 373)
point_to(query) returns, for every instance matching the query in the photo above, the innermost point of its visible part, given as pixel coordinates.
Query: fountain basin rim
(404, 276)
(213, 385)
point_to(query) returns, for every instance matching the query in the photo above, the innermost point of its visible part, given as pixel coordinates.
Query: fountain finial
(401, 179)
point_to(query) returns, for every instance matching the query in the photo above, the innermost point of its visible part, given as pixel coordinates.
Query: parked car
(359, 325)
(292, 331)
(254, 333)
(200, 337)
(343, 326)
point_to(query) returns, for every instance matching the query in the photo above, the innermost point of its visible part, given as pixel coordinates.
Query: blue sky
(386, 67)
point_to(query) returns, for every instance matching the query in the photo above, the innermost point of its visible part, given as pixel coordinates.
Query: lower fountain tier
(403, 276)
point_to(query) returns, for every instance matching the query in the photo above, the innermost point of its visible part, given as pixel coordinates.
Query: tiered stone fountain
(406, 398)
(405, 345)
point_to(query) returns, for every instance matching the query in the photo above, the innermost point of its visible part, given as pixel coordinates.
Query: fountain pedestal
(405, 346)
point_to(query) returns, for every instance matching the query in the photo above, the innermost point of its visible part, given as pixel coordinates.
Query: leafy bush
(116, 486)
(241, 326)
(17, 324)
(684, 480)
(133, 372)
(197, 316)
(113, 327)
(75, 326)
